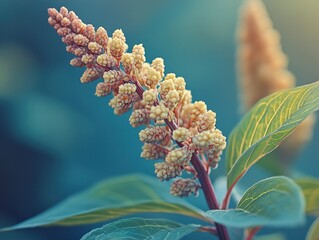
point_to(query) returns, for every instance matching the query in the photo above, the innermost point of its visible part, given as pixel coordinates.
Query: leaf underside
(275, 201)
(313, 233)
(310, 189)
(141, 229)
(266, 125)
(111, 199)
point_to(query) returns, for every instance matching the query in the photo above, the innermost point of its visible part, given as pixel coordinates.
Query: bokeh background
(57, 138)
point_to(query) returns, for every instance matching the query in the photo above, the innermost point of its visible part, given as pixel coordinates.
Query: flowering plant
(183, 136)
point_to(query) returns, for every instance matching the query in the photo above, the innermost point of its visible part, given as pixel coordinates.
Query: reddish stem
(252, 232)
(208, 229)
(202, 175)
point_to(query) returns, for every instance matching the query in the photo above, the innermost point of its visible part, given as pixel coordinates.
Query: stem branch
(202, 175)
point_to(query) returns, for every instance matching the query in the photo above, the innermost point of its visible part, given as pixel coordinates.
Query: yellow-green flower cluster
(176, 129)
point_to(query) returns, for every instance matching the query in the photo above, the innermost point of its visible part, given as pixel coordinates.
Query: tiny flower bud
(179, 84)
(118, 33)
(112, 76)
(153, 151)
(76, 62)
(123, 102)
(210, 138)
(138, 53)
(206, 121)
(95, 47)
(165, 171)
(127, 62)
(88, 58)
(127, 88)
(179, 156)
(117, 47)
(158, 65)
(184, 188)
(89, 32)
(106, 60)
(166, 86)
(153, 134)
(197, 108)
(153, 77)
(149, 97)
(102, 89)
(159, 112)
(139, 117)
(91, 74)
(101, 37)
(77, 26)
(171, 99)
(81, 40)
(181, 134)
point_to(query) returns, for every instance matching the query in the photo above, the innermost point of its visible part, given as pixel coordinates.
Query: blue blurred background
(57, 138)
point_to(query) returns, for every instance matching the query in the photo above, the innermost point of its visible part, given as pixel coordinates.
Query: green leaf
(275, 201)
(111, 199)
(266, 125)
(141, 229)
(310, 189)
(275, 236)
(313, 233)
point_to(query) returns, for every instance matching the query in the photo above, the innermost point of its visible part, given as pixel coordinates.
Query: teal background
(57, 138)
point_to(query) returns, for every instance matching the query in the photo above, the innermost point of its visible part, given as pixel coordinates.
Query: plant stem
(208, 190)
(202, 175)
(209, 229)
(252, 232)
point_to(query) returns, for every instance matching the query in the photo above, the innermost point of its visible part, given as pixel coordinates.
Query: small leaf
(275, 201)
(275, 236)
(141, 229)
(111, 199)
(313, 233)
(310, 189)
(266, 125)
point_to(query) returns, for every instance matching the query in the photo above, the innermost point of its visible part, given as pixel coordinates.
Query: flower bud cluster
(153, 134)
(153, 151)
(184, 187)
(167, 171)
(139, 117)
(181, 134)
(159, 101)
(180, 156)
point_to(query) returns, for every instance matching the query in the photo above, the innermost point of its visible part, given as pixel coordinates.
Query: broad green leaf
(313, 233)
(111, 199)
(275, 236)
(310, 189)
(272, 164)
(141, 229)
(275, 201)
(266, 125)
